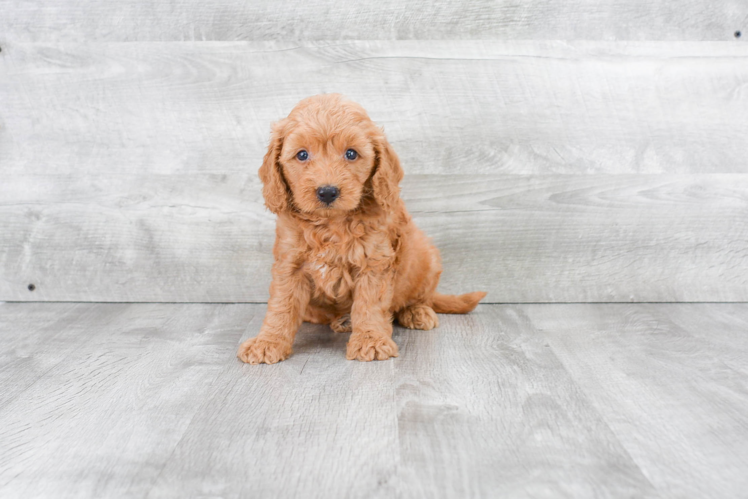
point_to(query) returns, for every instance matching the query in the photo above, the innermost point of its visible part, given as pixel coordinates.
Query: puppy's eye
(302, 155)
(351, 154)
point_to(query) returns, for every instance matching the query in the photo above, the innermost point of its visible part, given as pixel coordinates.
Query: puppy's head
(325, 157)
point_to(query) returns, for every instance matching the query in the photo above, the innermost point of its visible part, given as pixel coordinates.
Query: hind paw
(420, 317)
(342, 324)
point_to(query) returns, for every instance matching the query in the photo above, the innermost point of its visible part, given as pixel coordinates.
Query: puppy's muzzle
(327, 194)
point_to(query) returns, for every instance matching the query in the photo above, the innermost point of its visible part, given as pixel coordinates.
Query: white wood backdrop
(304, 20)
(448, 107)
(571, 170)
(558, 238)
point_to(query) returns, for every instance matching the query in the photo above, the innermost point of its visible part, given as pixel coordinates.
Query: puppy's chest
(334, 261)
(333, 270)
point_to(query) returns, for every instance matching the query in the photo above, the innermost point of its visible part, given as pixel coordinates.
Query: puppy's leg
(342, 324)
(371, 319)
(289, 296)
(418, 317)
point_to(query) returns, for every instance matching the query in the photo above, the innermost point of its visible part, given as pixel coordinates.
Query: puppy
(347, 253)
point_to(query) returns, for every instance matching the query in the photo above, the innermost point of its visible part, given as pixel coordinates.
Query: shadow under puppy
(347, 253)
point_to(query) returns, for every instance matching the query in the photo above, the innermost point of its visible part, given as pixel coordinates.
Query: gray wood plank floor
(612, 400)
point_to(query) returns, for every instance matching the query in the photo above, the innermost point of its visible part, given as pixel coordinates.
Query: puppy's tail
(456, 304)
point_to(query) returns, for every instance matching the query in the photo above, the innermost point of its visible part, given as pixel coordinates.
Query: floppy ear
(274, 189)
(387, 175)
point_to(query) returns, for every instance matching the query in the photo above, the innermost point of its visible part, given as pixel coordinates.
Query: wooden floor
(612, 400)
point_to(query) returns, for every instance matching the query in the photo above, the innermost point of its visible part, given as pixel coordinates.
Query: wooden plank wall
(555, 151)
(309, 20)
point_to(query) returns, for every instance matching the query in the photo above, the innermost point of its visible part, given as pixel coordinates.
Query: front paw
(368, 346)
(263, 350)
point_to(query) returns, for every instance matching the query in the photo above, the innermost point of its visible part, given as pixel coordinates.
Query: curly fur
(357, 263)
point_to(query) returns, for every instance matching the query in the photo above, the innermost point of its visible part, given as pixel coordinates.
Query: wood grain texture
(141, 412)
(319, 426)
(207, 238)
(487, 410)
(105, 418)
(149, 20)
(36, 338)
(448, 107)
(315, 426)
(625, 400)
(670, 380)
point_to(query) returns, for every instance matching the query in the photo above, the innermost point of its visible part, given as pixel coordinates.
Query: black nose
(328, 194)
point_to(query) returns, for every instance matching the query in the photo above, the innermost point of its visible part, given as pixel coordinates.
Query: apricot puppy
(346, 250)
